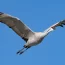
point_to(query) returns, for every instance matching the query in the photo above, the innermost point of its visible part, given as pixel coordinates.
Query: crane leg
(22, 50)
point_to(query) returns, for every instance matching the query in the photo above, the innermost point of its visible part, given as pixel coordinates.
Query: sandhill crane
(31, 38)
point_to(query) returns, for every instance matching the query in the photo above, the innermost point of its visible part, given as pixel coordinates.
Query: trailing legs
(23, 49)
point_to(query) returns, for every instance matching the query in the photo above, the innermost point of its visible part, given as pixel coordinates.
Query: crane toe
(18, 52)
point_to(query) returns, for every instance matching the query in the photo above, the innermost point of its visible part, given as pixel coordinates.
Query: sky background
(38, 15)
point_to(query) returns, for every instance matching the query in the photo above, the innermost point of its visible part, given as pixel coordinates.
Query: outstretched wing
(18, 26)
(61, 23)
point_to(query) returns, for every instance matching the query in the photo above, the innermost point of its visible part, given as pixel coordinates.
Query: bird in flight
(30, 37)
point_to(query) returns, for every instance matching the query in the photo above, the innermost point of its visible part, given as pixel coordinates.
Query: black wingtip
(1, 13)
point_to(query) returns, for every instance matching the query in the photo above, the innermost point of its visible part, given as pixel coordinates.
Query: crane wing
(61, 23)
(17, 25)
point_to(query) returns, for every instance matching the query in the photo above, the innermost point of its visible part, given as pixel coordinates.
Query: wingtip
(63, 21)
(1, 13)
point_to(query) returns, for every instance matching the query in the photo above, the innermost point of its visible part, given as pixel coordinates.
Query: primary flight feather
(31, 38)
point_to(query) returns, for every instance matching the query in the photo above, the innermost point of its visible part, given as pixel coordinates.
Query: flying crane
(30, 37)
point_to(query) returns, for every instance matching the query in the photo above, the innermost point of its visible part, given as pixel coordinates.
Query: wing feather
(61, 23)
(17, 25)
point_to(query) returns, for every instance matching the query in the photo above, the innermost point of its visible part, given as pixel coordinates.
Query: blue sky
(38, 15)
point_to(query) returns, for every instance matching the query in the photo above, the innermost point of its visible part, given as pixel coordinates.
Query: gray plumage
(31, 38)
